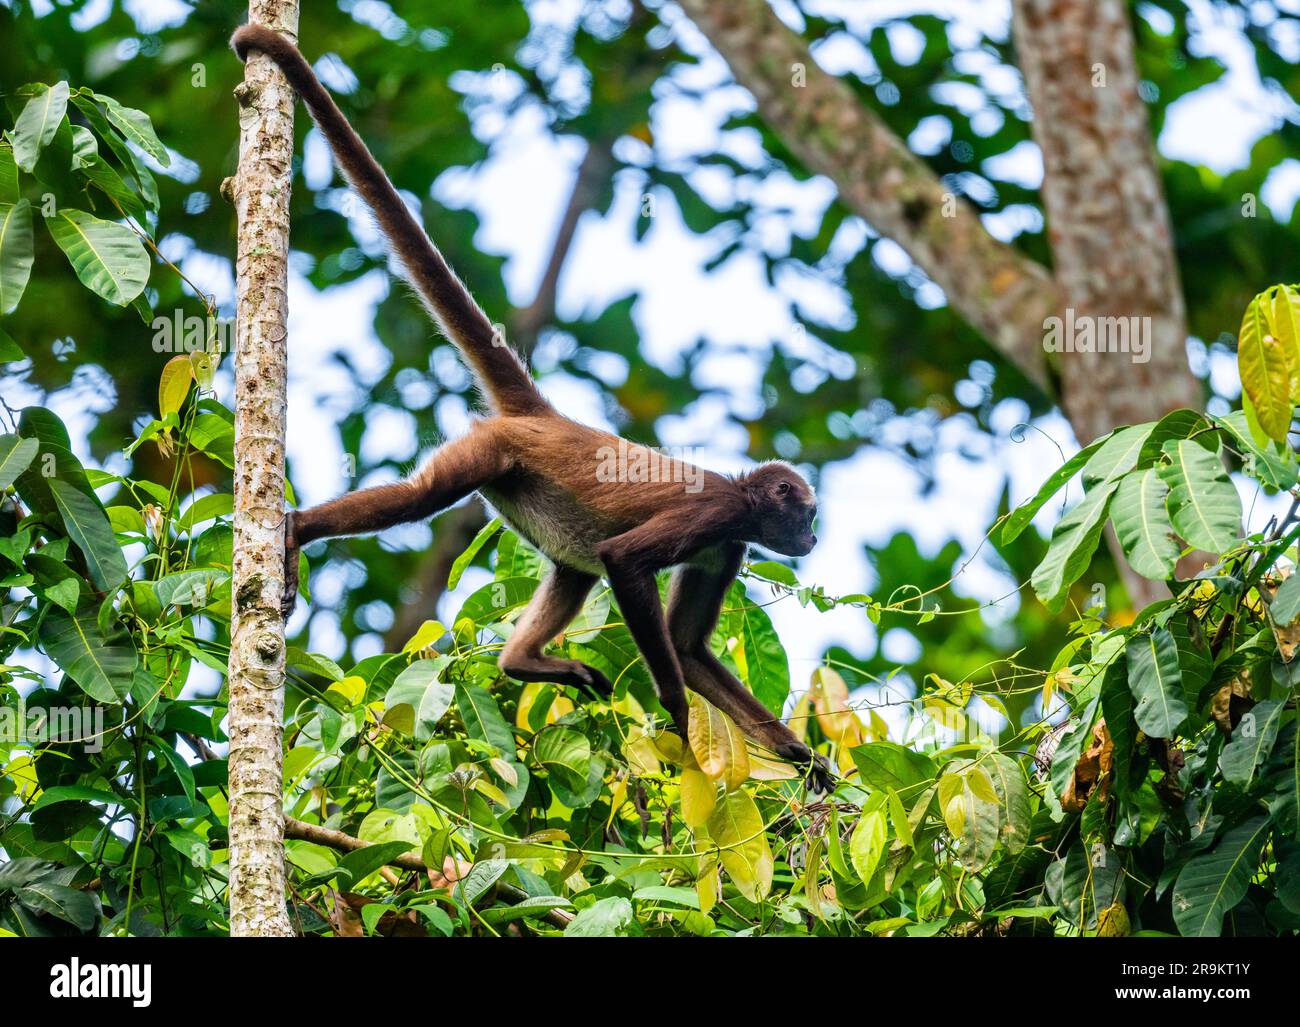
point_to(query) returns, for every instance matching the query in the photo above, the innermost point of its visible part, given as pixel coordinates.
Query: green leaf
(217, 504)
(16, 455)
(472, 550)
(17, 249)
(1073, 543)
(1285, 607)
(88, 527)
(770, 570)
(1156, 682)
(1089, 879)
(1018, 520)
(563, 751)
(605, 918)
(766, 668)
(483, 719)
(79, 908)
(77, 793)
(135, 126)
(36, 125)
(1143, 526)
(491, 603)
(1252, 742)
(9, 350)
(1118, 454)
(9, 192)
(109, 258)
(101, 665)
(1273, 464)
(1013, 800)
(867, 844)
(418, 690)
(1214, 882)
(359, 865)
(889, 765)
(190, 588)
(1203, 502)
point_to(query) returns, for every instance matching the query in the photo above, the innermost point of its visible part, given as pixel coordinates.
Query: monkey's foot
(591, 681)
(819, 776)
(290, 597)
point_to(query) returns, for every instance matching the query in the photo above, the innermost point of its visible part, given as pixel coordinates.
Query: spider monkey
(541, 472)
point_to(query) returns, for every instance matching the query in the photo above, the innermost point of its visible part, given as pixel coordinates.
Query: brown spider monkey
(541, 472)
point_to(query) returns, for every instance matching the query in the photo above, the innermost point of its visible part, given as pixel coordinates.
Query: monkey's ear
(782, 489)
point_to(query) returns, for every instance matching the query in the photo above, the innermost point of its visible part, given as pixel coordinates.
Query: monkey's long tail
(500, 373)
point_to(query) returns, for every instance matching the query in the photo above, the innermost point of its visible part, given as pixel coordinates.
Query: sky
(518, 196)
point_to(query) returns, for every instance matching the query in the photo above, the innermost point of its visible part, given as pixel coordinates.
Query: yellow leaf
(1268, 358)
(699, 797)
(737, 829)
(763, 769)
(717, 744)
(706, 884)
(353, 689)
(1113, 922)
(427, 633)
(980, 784)
(639, 751)
(174, 384)
(831, 701)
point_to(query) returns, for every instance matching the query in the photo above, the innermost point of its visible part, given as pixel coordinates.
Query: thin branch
(337, 840)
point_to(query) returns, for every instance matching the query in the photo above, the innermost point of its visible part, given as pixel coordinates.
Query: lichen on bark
(260, 192)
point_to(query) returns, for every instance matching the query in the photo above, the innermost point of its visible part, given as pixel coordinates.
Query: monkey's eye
(782, 488)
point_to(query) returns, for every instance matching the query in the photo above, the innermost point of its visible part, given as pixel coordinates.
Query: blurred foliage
(436, 89)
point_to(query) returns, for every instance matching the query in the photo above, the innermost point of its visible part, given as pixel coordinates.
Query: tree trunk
(1106, 217)
(261, 196)
(1002, 293)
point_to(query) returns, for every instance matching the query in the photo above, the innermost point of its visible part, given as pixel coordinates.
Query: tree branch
(1004, 295)
(337, 840)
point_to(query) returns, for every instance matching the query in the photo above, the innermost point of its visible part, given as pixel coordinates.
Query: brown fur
(543, 472)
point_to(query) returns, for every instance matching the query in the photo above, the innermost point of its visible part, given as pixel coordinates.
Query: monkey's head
(783, 506)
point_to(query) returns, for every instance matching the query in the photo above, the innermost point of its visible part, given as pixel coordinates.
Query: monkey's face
(785, 508)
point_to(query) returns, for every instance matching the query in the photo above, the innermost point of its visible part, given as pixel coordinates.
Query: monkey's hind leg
(455, 470)
(556, 602)
(694, 602)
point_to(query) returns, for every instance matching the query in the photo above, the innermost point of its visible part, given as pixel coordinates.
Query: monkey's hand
(818, 773)
(290, 597)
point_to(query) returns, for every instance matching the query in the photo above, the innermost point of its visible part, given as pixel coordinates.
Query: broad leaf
(1019, 518)
(1203, 503)
(1143, 526)
(17, 249)
(1073, 543)
(736, 827)
(88, 526)
(109, 258)
(1268, 359)
(1214, 882)
(16, 455)
(1156, 682)
(101, 665)
(39, 121)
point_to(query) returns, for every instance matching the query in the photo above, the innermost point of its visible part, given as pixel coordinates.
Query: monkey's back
(571, 487)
